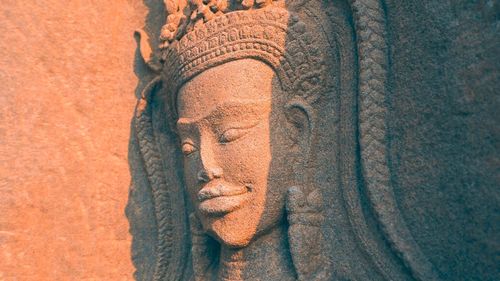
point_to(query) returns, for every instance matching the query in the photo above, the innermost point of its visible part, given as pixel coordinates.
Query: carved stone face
(228, 139)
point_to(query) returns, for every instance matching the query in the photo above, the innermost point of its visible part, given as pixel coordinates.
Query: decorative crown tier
(185, 15)
(272, 35)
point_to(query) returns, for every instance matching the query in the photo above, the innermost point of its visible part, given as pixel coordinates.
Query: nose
(206, 175)
(209, 169)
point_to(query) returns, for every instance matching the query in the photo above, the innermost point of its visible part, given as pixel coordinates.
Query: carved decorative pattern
(272, 35)
(369, 18)
(283, 41)
(167, 265)
(184, 15)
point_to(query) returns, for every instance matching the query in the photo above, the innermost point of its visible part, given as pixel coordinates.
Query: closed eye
(188, 148)
(232, 135)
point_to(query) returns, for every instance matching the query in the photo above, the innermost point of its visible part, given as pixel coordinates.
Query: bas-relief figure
(263, 120)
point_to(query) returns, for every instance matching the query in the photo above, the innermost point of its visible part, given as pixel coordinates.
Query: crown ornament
(265, 31)
(184, 15)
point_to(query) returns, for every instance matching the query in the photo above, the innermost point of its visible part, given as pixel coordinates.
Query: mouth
(221, 199)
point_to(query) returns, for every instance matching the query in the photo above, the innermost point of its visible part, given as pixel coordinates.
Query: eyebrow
(190, 121)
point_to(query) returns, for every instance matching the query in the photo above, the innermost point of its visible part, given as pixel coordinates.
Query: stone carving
(249, 139)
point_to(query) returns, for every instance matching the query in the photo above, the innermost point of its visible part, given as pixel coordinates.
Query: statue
(248, 137)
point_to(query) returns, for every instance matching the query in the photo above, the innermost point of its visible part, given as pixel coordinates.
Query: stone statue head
(231, 138)
(258, 167)
(241, 93)
(242, 101)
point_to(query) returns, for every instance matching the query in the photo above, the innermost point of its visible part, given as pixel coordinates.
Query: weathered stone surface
(399, 175)
(67, 91)
(399, 180)
(446, 132)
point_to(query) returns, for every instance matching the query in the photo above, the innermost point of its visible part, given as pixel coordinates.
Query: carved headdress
(343, 63)
(218, 31)
(208, 34)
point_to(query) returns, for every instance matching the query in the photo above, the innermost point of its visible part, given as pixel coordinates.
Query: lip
(221, 199)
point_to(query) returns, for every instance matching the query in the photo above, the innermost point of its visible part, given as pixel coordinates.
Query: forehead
(241, 81)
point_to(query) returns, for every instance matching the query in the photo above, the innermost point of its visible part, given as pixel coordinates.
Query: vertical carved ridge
(369, 18)
(163, 209)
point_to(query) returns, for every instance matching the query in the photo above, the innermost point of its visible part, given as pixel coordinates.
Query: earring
(305, 216)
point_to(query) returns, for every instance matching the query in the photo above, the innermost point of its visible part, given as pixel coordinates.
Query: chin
(232, 230)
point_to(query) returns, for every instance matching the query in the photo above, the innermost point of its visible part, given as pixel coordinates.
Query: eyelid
(187, 141)
(238, 132)
(188, 147)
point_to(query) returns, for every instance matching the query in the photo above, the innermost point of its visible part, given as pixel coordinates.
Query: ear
(300, 116)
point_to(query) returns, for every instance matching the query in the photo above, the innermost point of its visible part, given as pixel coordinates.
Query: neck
(266, 258)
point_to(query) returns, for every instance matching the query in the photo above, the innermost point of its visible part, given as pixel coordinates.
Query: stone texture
(405, 157)
(445, 84)
(417, 199)
(68, 88)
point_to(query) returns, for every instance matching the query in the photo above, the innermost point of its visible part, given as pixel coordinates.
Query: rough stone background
(68, 88)
(66, 100)
(445, 131)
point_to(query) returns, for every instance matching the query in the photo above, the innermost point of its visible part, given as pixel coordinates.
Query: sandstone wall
(67, 96)
(69, 75)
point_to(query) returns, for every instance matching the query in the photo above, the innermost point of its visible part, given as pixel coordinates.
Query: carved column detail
(369, 17)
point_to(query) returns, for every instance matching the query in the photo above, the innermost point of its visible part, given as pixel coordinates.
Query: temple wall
(70, 74)
(67, 96)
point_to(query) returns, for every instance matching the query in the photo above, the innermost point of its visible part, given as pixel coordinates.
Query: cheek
(247, 159)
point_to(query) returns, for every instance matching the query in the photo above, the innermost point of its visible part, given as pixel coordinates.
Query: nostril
(203, 176)
(206, 176)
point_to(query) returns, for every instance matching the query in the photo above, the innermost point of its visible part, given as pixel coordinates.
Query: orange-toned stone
(68, 84)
